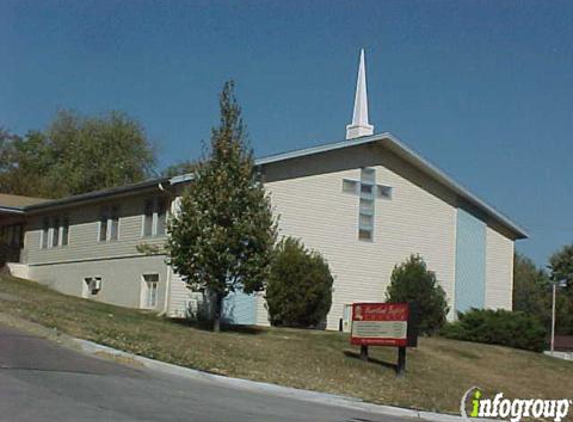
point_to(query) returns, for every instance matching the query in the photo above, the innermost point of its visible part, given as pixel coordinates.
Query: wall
(470, 262)
(117, 261)
(419, 219)
(238, 307)
(499, 270)
(121, 278)
(83, 233)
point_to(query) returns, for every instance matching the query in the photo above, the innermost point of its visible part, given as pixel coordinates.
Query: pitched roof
(386, 139)
(409, 155)
(7, 200)
(90, 196)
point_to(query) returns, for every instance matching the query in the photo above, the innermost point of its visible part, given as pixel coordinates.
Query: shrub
(512, 329)
(299, 290)
(412, 282)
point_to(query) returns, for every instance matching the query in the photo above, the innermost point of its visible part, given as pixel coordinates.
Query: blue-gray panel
(239, 308)
(470, 262)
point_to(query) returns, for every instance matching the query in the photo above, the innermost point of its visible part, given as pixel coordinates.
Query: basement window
(149, 290)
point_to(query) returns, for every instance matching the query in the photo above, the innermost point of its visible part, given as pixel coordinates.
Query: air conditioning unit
(95, 285)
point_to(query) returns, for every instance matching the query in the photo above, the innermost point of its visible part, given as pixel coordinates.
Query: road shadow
(354, 355)
(227, 328)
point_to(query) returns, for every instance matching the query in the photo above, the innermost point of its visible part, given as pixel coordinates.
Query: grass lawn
(439, 370)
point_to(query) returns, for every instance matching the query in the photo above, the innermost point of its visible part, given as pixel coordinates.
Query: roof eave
(415, 159)
(458, 188)
(12, 210)
(97, 195)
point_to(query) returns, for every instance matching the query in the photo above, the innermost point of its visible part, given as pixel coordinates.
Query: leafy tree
(411, 281)
(531, 287)
(561, 265)
(532, 295)
(76, 154)
(223, 235)
(182, 167)
(299, 291)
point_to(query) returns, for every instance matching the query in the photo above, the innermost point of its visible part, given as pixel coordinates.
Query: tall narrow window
(114, 223)
(148, 218)
(55, 232)
(161, 216)
(155, 217)
(65, 230)
(19, 235)
(103, 225)
(150, 290)
(45, 232)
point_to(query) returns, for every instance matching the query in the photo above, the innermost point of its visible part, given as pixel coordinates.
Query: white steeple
(360, 126)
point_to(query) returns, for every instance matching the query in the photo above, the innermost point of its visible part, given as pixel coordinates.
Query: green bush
(412, 282)
(299, 290)
(512, 329)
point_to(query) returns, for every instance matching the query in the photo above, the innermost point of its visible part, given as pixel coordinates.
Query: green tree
(411, 281)
(77, 154)
(531, 288)
(532, 294)
(223, 235)
(179, 168)
(299, 290)
(561, 267)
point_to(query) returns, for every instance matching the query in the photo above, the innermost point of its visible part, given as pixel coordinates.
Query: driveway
(43, 381)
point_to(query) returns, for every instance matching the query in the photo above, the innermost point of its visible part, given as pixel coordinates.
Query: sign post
(384, 324)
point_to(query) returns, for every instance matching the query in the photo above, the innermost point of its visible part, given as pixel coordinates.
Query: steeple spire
(360, 126)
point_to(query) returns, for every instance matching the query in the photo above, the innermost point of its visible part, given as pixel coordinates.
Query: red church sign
(380, 324)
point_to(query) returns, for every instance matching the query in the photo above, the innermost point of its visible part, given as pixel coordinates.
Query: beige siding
(418, 219)
(499, 270)
(117, 262)
(83, 234)
(121, 278)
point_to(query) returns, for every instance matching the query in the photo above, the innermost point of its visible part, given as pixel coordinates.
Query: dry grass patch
(439, 371)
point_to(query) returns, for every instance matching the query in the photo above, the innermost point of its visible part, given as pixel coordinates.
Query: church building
(366, 203)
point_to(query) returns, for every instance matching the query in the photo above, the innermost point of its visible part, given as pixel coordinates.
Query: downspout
(169, 270)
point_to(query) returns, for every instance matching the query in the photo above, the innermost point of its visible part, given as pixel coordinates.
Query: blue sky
(483, 89)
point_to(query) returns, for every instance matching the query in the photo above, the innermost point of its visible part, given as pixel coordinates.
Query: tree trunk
(218, 311)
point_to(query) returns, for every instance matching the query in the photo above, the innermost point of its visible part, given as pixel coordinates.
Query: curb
(263, 387)
(102, 352)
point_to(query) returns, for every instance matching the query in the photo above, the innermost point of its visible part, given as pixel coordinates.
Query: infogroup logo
(515, 410)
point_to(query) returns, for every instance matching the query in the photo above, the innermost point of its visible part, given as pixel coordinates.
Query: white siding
(499, 270)
(314, 208)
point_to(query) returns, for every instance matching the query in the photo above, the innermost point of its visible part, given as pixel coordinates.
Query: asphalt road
(43, 381)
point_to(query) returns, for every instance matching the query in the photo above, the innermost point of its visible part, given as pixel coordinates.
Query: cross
(368, 191)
